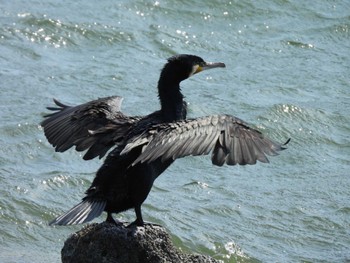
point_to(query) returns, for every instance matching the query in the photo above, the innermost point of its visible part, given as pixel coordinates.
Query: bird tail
(81, 213)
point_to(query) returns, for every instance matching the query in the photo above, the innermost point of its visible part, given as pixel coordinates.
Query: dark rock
(109, 243)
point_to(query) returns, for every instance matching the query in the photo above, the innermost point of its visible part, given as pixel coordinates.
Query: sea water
(287, 74)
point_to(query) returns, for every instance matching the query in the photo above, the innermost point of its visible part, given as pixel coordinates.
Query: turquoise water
(287, 73)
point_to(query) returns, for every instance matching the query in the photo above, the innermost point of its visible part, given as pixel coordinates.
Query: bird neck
(171, 100)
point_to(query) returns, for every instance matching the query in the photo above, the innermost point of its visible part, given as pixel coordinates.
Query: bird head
(183, 66)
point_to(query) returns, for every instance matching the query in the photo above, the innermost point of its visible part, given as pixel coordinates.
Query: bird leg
(139, 220)
(111, 220)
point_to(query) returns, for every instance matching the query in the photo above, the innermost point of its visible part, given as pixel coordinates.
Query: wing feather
(230, 140)
(94, 126)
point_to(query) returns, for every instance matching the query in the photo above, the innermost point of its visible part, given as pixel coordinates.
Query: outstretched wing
(94, 126)
(229, 139)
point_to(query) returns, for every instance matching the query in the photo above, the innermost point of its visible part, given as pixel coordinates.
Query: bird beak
(208, 65)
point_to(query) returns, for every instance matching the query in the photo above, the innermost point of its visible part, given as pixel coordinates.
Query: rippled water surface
(287, 73)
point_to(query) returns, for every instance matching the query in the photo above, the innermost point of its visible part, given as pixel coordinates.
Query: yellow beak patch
(196, 69)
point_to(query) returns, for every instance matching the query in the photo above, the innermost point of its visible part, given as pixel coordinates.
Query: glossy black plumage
(144, 146)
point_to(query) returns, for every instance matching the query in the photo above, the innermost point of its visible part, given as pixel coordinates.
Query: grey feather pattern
(230, 140)
(81, 213)
(94, 126)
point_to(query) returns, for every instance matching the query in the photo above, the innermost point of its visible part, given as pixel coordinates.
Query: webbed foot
(136, 223)
(111, 220)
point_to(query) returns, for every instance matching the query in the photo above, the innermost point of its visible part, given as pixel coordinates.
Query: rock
(109, 243)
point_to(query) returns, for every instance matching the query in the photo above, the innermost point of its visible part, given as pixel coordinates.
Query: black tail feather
(81, 213)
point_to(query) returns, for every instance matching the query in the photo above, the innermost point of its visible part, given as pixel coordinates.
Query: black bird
(144, 146)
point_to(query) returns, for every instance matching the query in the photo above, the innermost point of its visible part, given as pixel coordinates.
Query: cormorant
(144, 146)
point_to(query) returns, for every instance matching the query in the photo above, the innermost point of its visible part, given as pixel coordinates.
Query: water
(287, 73)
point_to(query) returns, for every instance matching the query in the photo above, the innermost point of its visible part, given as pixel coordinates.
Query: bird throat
(173, 107)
